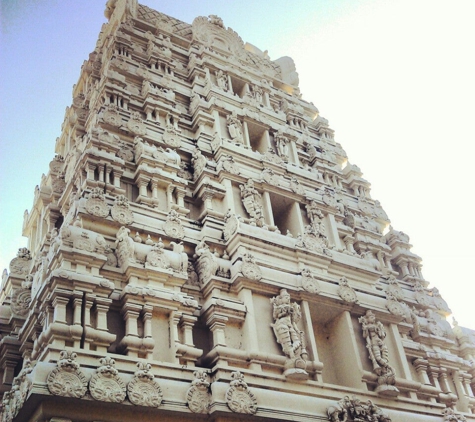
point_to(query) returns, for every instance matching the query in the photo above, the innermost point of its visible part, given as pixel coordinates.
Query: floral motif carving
(105, 384)
(450, 415)
(309, 282)
(396, 307)
(268, 175)
(354, 410)
(121, 212)
(173, 226)
(198, 396)
(286, 316)
(394, 288)
(136, 125)
(228, 164)
(374, 333)
(67, 379)
(346, 292)
(112, 116)
(238, 396)
(96, 203)
(251, 201)
(143, 390)
(21, 298)
(249, 268)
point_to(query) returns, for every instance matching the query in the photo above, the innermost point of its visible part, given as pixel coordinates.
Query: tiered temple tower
(201, 247)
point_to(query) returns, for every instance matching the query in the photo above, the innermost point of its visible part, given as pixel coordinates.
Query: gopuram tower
(202, 249)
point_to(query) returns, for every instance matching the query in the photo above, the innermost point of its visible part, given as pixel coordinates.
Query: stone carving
(314, 239)
(249, 268)
(272, 157)
(136, 125)
(394, 288)
(105, 384)
(221, 80)
(268, 175)
(173, 226)
(96, 203)
(227, 163)
(396, 307)
(438, 301)
(450, 415)
(124, 247)
(112, 116)
(430, 322)
(231, 225)
(421, 295)
(198, 396)
(121, 212)
(251, 201)
(14, 399)
(171, 136)
(157, 258)
(206, 264)
(143, 390)
(199, 163)
(238, 396)
(286, 316)
(296, 187)
(67, 379)
(22, 263)
(282, 145)
(309, 282)
(354, 410)
(235, 128)
(21, 298)
(346, 292)
(374, 333)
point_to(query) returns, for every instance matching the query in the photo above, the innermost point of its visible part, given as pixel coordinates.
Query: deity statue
(286, 316)
(221, 79)
(374, 333)
(235, 127)
(316, 216)
(282, 144)
(251, 201)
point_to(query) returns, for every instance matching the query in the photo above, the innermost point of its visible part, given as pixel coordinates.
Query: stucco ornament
(268, 175)
(235, 128)
(251, 200)
(143, 390)
(199, 163)
(121, 212)
(112, 116)
(249, 267)
(282, 145)
(355, 410)
(238, 396)
(221, 79)
(14, 399)
(96, 203)
(286, 316)
(105, 384)
(125, 248)
(296, 186)
(198, 396)
(136, 125)
(21, 298)
(394, 288)
(231, 225)
(272, 157)
(346, 292)
(227, 163)
(374, 334)
(309, 282)
(67, 379)
(22, 263)
(398, 308)
(451, 416)
(206, 263)
(156, 257)
(173, 226)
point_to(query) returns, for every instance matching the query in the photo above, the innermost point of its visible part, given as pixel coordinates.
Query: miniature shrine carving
(374, 334)
(287, 333)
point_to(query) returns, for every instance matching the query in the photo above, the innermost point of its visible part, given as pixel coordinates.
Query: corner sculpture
(374, 333)
(286, 316)
(354, 410)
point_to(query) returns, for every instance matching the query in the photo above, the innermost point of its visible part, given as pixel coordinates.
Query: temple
(201, 248)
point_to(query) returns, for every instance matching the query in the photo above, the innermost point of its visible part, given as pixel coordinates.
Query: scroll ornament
(105, 384)
(143, 390)
(67, 379)
(238, 396)
(198, 396)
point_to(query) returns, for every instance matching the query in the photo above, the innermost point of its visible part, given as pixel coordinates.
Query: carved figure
(356, 411)
(251, 201)
(282, 144)
(235, 128)
(124, 247)
(221, 79)
(286, 316)
(374, 333)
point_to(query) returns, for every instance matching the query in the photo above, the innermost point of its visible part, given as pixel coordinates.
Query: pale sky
(395, 78)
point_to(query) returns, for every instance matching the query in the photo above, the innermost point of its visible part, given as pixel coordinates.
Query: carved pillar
(421, 368)
(76, 329)
(245, 130)
(186, 324)
(330, 224)
(229, 197)
(310, 335)
(250, 328)
(267, 208)
(217, 325)
(131, 343)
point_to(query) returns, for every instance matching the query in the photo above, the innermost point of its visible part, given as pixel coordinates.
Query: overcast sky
(395, 78)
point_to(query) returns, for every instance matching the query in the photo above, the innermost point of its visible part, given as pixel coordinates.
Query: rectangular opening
(258, 137)
(285, 214)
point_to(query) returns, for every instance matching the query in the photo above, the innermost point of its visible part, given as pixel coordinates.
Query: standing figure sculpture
(286, 316)
(221, 79)
(235, 128)
(282, 144)
(251, 201)
(374, 333)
